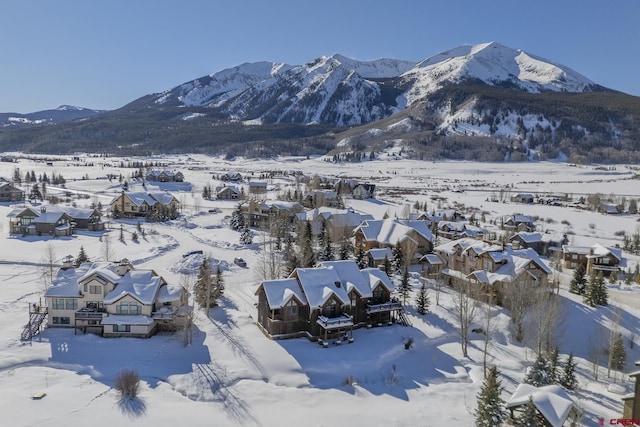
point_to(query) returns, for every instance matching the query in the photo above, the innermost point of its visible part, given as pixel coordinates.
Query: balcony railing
(382, 307)
(329, 323)
(86, 314)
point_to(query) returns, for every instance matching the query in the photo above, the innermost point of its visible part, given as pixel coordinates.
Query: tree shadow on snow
(376, 361)
(132, 407)
(155, 359)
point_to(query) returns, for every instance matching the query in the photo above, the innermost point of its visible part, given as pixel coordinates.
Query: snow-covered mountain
(63, 113)
(342, 91)
(493, 64)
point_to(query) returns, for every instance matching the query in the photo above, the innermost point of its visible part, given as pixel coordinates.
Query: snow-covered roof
(280, 291)
(164, 198)
(378, 277)
(350, 276)
(553, 402)
(597, 250)
(143, 285)
(392, 231)
(379, 254)
(319, 284)
(169, 293)
(15, 212)
(48, 217)
(138, 198)
(432, 259)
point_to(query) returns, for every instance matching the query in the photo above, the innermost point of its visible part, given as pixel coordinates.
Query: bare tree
(187, 282)
(518, 299)
(614, 333)
(487, 323)
(269, 263)
(545, 321)
(465, 308)
(107, 249)
(48, 264)
(596, 351)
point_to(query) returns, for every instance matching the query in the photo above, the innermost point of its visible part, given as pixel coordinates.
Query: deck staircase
(32, 328)
(402, 318)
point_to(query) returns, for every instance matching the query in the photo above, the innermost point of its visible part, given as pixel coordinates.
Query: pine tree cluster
(595, 292)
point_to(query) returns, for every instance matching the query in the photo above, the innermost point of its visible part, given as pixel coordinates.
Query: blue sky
(104, 54)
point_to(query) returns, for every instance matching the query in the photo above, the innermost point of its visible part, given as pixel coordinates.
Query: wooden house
(9, 193)
(327, 301)
(595, 259)
(414, 236)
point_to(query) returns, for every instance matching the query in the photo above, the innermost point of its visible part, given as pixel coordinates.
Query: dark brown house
(326, 302)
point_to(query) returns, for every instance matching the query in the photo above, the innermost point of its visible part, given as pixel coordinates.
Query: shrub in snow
(127, 383)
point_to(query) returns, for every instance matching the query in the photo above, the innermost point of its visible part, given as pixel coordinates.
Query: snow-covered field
(232, 374)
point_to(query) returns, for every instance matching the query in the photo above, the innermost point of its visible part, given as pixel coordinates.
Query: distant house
(432, 265)
(164, 176)
(41, 222)
(326, 302)
(261, 215)
(229, 192)
(138, 204)
(414, 236)
(231, 176)
(257, 188)
(491, 267)
(364, 191)
(553, 404)
(545, 244)
(457, 229)
(610, 209)
(523, 198)
(338, 222)
(518, 222)
(596, 258)
(113, 299)
(9, 193)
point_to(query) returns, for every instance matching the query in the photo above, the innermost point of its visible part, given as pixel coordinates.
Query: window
(95, 289)
(487, 265)
(354, 299)
(58, 304)
(61, 320)
(71, 304)
(126, 307)
(121, 328)
(291, 309)
(330, 309)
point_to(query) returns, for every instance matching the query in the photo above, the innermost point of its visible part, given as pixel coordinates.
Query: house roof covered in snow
(350, 276)
(143, 285)
(552, 401)
(320, 284)
(280, 291)
(392, 231)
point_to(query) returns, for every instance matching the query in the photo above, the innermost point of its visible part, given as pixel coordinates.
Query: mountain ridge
(524, 106)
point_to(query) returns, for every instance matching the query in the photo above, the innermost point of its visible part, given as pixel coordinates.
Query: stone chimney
(123, 267)
(67, 262)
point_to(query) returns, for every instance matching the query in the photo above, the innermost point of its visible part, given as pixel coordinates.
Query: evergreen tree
(554, 365)
(387, 266)
(529, 415)
(618, 354)
(490, 411)
(539, 373)
(596, 291)
(327, 252)
(578, 282)
(568, 377)
(361, 259)
(308, 255)
(405, 285)
(398, 258)
(345, 248)
(246, 238)
(205, 291)
(82, 257)
(237, 221)
(422, 300)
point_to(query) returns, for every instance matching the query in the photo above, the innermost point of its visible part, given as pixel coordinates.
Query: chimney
(123, 267)
(337, 283)
(67, 262)
(43, 209)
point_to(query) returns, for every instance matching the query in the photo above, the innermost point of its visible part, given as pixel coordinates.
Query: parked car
(239, 262)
